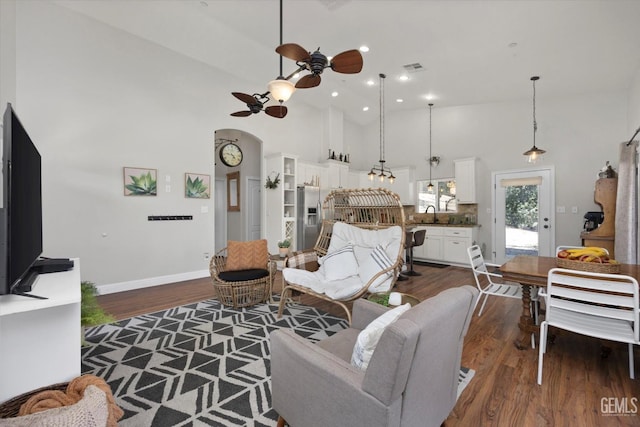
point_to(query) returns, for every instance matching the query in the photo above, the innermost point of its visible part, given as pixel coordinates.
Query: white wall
(634, 105)
(95, 99)
(7, 53)
(579, 134)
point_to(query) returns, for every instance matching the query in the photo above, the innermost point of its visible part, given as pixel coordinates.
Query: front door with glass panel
(523, 207)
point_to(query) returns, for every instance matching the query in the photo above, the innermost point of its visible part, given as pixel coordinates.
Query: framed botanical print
(140, 181)
(197, 186)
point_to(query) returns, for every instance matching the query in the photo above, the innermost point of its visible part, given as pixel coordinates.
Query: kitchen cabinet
(338, 174)
(465, 171)
(354, 179)
(431, 249)
(301, 173)
(445, 244)
(433, 243)
(455, 243)
(308, 173)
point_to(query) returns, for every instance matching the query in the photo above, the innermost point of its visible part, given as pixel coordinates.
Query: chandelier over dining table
(380, 170)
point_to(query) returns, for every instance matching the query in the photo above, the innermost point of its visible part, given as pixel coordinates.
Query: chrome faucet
(435, 218)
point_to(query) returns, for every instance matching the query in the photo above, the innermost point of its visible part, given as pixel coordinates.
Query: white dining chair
(599, 305)
(492, 284)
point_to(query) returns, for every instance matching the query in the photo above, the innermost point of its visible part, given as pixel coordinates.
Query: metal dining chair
(491, 283)
(599, 305)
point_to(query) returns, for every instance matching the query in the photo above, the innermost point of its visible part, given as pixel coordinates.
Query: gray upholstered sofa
(411, 379)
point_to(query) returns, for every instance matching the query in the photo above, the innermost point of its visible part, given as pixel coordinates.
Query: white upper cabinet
(338, 174)
(465, 170)
(309, 174)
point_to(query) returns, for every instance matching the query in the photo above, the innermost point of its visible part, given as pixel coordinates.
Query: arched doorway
(243, 219)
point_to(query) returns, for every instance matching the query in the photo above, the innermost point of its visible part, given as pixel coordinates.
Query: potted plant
(283, 247)
(272, 183)
(91, 314)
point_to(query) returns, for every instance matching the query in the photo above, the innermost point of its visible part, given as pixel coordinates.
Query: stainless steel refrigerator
(309, 217)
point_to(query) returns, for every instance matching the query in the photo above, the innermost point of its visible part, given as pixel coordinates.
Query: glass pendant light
(384, 172)
(534, 153)
(430, 186)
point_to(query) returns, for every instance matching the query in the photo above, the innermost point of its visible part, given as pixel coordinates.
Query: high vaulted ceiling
(471, 51)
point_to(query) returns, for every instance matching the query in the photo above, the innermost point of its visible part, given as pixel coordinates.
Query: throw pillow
(368, 338)
(377, 261)
(247, 255)
(305, 260)
(340, 264)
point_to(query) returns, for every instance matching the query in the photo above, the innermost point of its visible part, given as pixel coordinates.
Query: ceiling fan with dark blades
(347, 62)
(255, 104)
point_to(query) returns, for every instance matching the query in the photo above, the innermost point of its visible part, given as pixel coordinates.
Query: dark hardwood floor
(580, 388)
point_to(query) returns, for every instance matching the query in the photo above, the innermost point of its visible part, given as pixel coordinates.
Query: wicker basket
(242, 294)
(11, 407)
(593, 267)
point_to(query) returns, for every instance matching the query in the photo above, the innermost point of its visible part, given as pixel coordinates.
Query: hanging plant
(272, 183)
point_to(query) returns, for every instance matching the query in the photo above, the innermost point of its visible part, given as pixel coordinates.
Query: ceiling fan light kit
(255, 104)
(281, 89)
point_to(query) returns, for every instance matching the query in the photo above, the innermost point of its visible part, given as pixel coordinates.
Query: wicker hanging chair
(368, 209)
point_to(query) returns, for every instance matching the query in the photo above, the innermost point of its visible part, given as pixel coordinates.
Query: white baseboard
(151, 281)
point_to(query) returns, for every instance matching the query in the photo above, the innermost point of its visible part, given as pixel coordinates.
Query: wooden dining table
(532, 271)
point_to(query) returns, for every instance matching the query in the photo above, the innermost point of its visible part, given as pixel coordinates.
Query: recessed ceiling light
(370, 82)
(404, 78)
(513, 44)
(399, 100)
(430, 97)
(365, 108)
(334, 94)
(364, 48)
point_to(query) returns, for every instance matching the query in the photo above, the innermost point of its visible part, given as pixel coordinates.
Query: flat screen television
(21, 213)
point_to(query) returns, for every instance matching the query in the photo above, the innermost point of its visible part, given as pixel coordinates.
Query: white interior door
(523, 213)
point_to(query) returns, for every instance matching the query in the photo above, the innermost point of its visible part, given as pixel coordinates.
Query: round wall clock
(231, 155)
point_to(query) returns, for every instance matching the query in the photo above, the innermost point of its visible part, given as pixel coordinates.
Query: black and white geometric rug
(199, 364)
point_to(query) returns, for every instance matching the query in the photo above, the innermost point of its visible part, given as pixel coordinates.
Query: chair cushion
(247, 255)
(339, 263)
(243, 275)
(377, 261)
(315, 280)
(369, 337)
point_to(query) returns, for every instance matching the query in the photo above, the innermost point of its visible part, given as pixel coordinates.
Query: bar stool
(408, 246)
(418, 240)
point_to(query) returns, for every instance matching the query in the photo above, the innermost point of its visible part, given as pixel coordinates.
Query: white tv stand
(40, 338)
